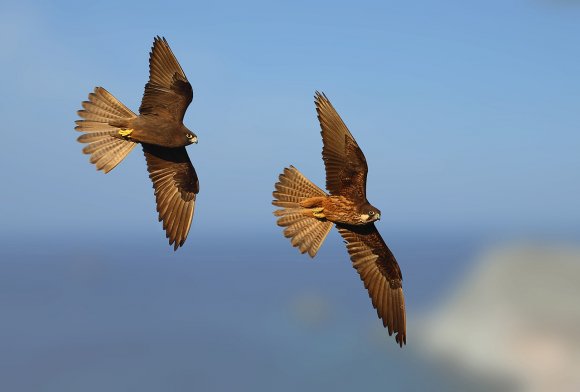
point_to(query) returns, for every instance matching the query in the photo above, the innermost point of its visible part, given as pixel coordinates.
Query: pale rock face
(516, 317)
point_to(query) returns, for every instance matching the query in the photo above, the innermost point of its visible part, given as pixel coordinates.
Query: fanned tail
(305, 231)
(106, 150)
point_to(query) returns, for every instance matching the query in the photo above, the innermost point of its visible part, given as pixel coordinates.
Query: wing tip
(174, 242)
(401, 339)
(159, 38)
(320, 97)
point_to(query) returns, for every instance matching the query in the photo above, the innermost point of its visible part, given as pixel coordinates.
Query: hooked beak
(193, 140)
(378, 217)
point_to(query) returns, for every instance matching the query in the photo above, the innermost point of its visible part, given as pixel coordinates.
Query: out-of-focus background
(468, 115)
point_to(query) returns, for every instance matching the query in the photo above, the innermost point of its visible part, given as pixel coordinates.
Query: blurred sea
(83, 313)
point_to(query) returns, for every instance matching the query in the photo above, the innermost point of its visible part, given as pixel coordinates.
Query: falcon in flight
(111, 131)
(308, 213)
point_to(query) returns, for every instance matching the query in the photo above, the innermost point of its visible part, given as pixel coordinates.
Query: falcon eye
(371, 213)
(189, 135)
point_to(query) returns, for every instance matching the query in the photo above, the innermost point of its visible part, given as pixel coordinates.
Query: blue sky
(467, 113)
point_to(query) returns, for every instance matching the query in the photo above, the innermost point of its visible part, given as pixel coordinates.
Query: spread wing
(176, 185)
(380, 273)
(168, 93)
(346, 166)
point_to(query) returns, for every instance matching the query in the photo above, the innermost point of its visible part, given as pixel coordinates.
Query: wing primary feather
(380, 274)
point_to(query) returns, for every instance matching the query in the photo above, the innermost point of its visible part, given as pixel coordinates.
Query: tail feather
(294, 187)
(106, 150)
(305, 231)
(93, 136)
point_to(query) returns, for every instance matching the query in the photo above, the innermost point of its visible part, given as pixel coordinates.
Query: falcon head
(368, 213)
(190, 137)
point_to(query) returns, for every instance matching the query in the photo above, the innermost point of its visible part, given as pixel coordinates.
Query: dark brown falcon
(308, 214)
(111, 131)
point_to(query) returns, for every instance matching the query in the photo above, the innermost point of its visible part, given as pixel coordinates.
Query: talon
(317, 213)
(125, 132)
